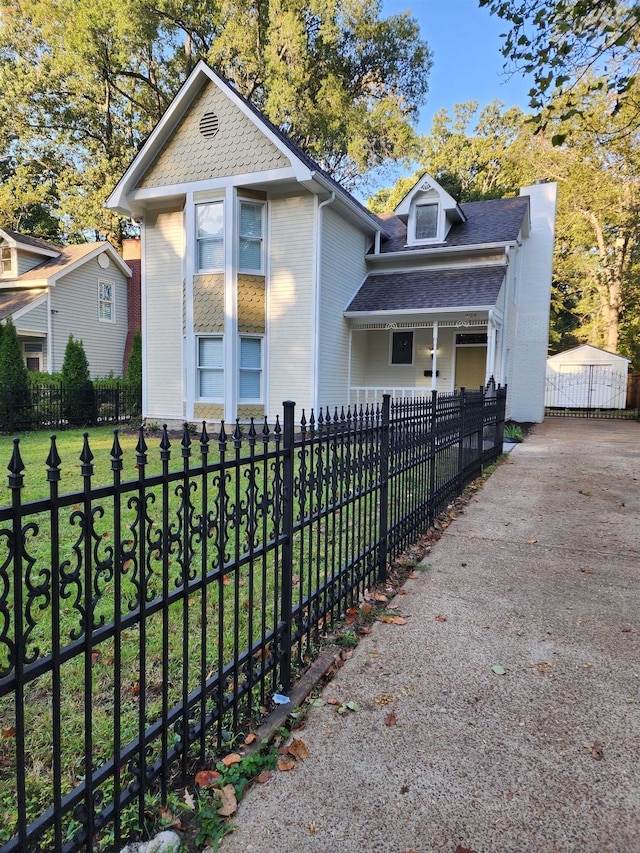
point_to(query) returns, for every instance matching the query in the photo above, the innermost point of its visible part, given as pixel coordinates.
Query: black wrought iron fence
(58, 406)
(144, 621)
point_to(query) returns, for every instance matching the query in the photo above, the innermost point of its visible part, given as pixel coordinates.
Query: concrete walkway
(541, 577)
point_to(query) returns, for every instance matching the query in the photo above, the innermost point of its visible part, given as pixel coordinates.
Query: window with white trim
(106, 304)
(426, 227)
(210, 236)
(6, 260)
(250, 370)
(401, 348)
(210, 368)
(250, 252)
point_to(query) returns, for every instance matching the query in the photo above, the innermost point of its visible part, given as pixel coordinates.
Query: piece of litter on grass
(498, 670)
(279, 699)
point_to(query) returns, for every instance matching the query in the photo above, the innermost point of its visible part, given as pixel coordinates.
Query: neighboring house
(53, 291)
(264, 280)
(586, 377)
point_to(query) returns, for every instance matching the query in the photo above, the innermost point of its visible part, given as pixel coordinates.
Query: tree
(77, 387)
(134, 365)
(14, 380)
(563, 43)
(79, 100)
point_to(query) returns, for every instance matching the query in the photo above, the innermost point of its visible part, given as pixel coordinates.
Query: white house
(264, 280)
(53, 291)
(586, 377)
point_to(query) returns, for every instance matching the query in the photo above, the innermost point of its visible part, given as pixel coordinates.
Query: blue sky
(467, 63)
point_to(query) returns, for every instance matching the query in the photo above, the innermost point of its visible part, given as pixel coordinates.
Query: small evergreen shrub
(14, 382)
(77, 386)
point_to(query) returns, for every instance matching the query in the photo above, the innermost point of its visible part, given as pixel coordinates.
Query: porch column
(434, 360)
(491, 349)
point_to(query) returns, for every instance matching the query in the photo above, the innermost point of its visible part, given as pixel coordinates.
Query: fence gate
(587, 391)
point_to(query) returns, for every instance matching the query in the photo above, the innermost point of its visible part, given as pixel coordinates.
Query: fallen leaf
(393, 620)
(441, 618)
(402, 592)
(95, 654)
(229, 803)
(390, 719)
(366, 608)
(461, 849)
(249, 739)
(531, 541)
(404, 789)
(298, 749)
(597, 751)
(626, 630)
(498, 670)
(264, 777)
(346, 654)
(543, 667)
(232, 758)
(379, 596)
(412, 576)
(285, 764)
(364, 630)
(225, 580)
(587, 571)
(188, 799)
(207, 778)
(333, 701)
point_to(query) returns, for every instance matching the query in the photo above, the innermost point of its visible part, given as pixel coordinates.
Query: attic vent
(209, 125)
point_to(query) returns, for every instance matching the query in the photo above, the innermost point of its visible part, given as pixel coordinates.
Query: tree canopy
(340, 79)
(567, 43)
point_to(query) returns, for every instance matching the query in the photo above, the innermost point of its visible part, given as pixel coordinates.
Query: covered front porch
(412, 356)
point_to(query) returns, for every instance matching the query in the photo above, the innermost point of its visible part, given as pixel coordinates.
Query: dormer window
(6, 260)
(426, 221)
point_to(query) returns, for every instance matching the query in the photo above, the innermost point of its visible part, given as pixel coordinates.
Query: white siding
(290, 303)
(162, 304)
(527, 376)
(74, 303)
(342, 271)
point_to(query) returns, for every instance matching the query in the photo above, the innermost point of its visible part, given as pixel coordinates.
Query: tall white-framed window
(106, 302)
(210, 368)
(250, 237)
(426, 222)
(6, 260)
(210, 237)
(250, 369)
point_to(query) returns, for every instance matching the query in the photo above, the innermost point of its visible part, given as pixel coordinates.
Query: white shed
(586, 377)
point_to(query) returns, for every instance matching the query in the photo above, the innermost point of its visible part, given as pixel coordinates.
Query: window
(210, 236)
(250, 378)
(426, 221)
(106, 306)
(250, 236)
(5, 260)
(33, 356)
(210, 368)
(402, 348)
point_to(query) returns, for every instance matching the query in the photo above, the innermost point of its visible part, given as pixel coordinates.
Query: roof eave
(444, 250)
(444, 309)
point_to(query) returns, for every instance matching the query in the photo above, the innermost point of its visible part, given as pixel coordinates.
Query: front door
(471, 366)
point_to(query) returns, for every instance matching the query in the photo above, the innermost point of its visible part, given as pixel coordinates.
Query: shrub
(78, 388)
(14, 381)
(134, 367)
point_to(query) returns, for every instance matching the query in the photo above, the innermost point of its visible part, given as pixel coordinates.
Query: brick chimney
(131, 255)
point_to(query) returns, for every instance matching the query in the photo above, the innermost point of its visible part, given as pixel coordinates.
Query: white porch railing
(368, 394)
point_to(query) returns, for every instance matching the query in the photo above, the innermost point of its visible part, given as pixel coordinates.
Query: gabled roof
(30, 244)
(13, 301)
(424, 183)
(305, 168)
(68, 259)
(429, 289)
(492, 221)
(559, 356)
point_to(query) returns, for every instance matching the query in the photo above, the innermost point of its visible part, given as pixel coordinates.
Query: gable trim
(35, 304)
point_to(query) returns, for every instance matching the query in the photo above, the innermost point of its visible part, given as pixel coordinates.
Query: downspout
(434, 360)
(505, 321)
(316, 304)
(49, 333)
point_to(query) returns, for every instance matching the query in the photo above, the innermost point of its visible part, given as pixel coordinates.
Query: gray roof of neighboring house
(429, 289)
(497, 220)
(36, 242)
(67, 256)
(12, 301)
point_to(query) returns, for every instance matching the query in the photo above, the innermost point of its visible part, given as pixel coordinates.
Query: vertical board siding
(290, 302)
(74, 302)
(343, 269)
(163, 306)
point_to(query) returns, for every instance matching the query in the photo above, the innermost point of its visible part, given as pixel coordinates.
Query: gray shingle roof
(429, 289)
(496, 220)
(12, 301)
(36, 242)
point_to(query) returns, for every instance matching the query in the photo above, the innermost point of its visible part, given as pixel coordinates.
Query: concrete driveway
(540, 576)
